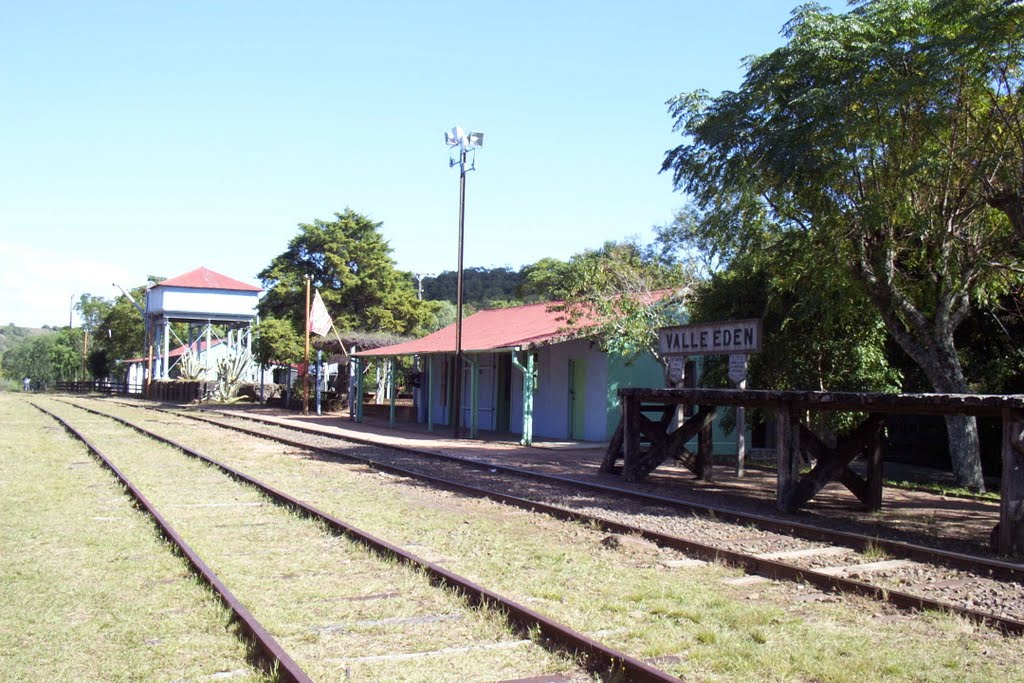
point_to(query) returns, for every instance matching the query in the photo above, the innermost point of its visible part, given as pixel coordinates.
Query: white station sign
(721, 338)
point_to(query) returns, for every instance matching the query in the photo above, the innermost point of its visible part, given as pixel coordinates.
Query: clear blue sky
(142, 138)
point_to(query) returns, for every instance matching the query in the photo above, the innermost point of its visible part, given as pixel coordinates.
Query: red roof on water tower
(204, 278)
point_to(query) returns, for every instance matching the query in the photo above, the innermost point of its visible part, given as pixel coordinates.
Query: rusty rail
(270, 656)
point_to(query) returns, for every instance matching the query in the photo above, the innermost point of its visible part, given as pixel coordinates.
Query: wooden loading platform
(643, 442)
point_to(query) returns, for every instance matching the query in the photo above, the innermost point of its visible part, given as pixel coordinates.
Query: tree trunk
(941, 365)
(1011, 203)
(965, 451)
(929, 342)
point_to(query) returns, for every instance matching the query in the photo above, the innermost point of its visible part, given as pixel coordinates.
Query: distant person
(26, 384)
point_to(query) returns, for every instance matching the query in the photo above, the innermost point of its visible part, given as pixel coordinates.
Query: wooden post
(705, 451)
(360, 388)
(166, 341)
(1010, 539)
(875, 463)
(149, 375)
(529, 386)
(787, 445)
(741, 440)
(738, 376)
(631, 437)
(208, 358)
(474, 399)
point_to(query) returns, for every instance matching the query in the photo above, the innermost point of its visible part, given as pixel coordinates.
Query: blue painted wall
(605, 375)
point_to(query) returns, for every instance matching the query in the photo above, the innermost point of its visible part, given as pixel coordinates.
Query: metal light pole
(465, 144)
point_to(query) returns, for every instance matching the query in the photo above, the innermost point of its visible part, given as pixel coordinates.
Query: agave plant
(190, 368)
(230, 371)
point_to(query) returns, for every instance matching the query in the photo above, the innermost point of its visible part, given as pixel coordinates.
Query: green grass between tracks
(87, 591)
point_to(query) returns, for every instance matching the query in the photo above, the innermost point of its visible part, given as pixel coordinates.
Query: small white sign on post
(676, 369)
(738, 368)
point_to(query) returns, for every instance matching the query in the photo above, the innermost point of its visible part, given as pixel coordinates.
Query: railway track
(195, 494)
(905, 575)
(269, 654)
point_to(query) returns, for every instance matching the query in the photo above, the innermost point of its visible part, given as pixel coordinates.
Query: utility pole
(305, 376)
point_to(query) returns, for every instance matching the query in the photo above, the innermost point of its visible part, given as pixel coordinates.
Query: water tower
(216, 307)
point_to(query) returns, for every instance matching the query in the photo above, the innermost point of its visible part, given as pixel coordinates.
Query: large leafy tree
(91, 310)
(116, 329)
(549, 279)
(991, 348)
(122, 331)
(350, 262)
(892, 135)
(816, 335)
(277, 342)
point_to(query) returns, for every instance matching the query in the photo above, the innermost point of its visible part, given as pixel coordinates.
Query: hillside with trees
(12, 335)
(481, 287)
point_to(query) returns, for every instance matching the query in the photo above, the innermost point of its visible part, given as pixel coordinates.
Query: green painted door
(577, 397)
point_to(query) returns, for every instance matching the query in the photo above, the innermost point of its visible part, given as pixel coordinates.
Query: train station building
(526, 370)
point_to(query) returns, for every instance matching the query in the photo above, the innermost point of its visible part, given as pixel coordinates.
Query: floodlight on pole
(420, 277)
(466, 146)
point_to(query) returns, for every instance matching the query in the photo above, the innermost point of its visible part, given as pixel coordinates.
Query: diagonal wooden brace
(646, 427)
(833, 465)
(614, 453)
(664, 445)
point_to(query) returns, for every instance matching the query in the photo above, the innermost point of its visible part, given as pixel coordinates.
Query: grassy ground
(87, 591)
(941, 489)
(340, 612)
(630, 598)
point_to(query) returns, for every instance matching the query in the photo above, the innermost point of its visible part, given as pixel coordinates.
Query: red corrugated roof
(487, 330)
(502, 328)
(204, 278)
